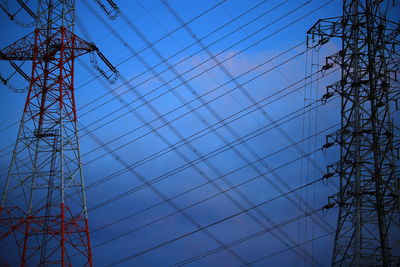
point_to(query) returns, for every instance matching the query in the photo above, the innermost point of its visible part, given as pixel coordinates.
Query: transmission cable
(226, 174)
(213, 224)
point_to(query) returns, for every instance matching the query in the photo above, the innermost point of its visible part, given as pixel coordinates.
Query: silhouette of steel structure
(368, 221)
(43, 210)
(43, 207)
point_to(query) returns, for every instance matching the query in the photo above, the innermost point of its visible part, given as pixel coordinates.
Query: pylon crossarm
(19, 50)
(47, 48)
(323, 30)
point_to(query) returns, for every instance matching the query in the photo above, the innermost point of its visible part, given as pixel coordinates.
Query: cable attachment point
(331, 90)
(330, 140)
(111, 12)
(325, 97)
(330, 205)
(17, 69)
(13, 17)
(110, 77)
(10, 87)
(330, 172)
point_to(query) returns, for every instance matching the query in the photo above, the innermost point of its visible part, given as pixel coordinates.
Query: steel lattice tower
(368, 231)
(43, 207)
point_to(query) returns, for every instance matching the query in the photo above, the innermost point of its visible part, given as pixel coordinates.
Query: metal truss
(368, 226)
(43, 207)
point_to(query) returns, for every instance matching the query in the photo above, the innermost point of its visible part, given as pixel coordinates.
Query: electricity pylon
(43, 207)
(368, 231)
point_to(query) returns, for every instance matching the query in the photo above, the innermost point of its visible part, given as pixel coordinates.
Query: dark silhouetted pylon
(368, 231)
(43, 206)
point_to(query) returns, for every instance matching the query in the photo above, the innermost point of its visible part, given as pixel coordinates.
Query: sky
(221, 114)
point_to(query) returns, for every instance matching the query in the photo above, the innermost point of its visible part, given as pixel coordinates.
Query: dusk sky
(207, 148)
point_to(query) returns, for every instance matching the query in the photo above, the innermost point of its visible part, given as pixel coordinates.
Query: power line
(249, 237)
(206, 183)
(138, 188)
(102, 144)
(286, 249)
(283, 194)
(219, 150)
(171, 127)
(261, 175)
(200, 51)
(85, 32)
(212, 224)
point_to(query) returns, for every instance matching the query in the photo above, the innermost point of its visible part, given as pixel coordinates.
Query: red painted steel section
(51, 92)
(62, 235)
(88, 243)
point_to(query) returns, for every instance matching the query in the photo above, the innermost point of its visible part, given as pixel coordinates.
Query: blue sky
(231, 123)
